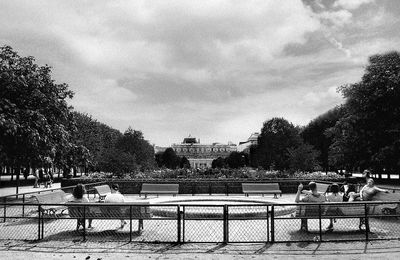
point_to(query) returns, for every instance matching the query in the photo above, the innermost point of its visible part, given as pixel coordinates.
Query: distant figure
(41, 172)
(116, 197)
(333, 197)
(367, 192)
(313, 197)
(78, 193)
(36, 176)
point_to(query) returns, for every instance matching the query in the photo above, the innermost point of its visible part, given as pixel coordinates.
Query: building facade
(202, 155)
(245, 146)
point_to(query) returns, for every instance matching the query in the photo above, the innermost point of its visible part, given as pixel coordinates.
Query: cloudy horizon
(215, 69)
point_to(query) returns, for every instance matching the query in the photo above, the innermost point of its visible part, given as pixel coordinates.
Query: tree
(133, 143)
(277, 135)
(303, 158)
(218, 163)
(368, 135)
(236, 160)
(34, 115)
(315, 134)
(184, 163)
(170, 159)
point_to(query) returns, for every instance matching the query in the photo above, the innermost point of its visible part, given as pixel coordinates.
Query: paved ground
(80, 250)
(17, 249)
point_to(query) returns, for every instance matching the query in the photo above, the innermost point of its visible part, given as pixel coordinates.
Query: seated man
(312, 197)
(116, 197)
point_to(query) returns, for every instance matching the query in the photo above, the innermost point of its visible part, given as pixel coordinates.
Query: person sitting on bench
(116, 197)
(368, 191)
(312, 197)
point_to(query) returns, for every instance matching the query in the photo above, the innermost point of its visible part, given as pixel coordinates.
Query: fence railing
(202, 223)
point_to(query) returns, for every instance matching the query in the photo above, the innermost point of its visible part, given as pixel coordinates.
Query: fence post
(267, 223)
(320, 222)
(366, 221)
(178, 212)
(39, 222)
(183, 225)
(272, 224)
(226, 225)
(84, 223)
(130, 223)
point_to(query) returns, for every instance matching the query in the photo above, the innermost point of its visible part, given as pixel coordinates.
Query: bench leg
(140, 225)
(304, 224)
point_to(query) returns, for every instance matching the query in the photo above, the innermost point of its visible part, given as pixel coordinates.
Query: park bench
(165, 188)
(261, 188)
(342, 210)
(387, 209)
(56, 198)
(102, 191)
(140, 211)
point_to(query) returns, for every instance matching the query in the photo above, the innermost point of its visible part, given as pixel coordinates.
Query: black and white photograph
(199, 129)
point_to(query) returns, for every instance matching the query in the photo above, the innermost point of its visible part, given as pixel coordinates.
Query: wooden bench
(140, 211)
(102, 191)
(387, 209)
(261, 188)
(165, 188)
(341, 210)
(57, 197)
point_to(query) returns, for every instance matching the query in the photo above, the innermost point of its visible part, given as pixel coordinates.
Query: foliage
(237, 160)
(34, 115)
(276, 137)
(303, 158)
(218, 163)
(170, 159)
(315, 134)
(367, 135)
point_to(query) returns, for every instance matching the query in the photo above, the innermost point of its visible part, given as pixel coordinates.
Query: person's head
(335, 188)
(79, 191)
(114, 188)
(312, 186)
(366, 173)
(370, 182)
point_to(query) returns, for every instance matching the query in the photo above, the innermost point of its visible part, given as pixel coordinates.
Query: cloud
(351, 4)
(213, 68)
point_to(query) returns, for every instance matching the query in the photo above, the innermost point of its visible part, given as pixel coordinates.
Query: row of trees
(362, 133)
(38, 128)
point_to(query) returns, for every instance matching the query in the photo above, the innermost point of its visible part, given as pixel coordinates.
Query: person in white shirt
(116, 197)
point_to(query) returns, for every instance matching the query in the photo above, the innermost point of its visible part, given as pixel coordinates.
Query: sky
(214, 69)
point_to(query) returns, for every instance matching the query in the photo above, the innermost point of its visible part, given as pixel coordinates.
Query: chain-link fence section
(200, 223)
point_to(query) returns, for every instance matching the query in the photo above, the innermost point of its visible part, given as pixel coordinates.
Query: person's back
(115, 197)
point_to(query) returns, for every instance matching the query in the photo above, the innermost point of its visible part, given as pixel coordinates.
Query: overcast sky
(213, 69)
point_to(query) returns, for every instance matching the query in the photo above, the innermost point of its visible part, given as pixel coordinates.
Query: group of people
(347, 192)
(115, 197)
(43, 176)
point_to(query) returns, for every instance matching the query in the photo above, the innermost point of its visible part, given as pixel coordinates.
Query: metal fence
(201, 223)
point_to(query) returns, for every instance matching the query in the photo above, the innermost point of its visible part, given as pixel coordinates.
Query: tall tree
(277, 135)
(315, 133)
(368, 135)
(34, 115)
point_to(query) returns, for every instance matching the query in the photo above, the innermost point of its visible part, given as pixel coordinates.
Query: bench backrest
(104, 211)
(53, 197)
(322, 187)
(165, 187)
(331, 210)
(103, 189)
(260, 186)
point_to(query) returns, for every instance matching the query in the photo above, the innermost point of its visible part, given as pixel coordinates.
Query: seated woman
(367, 192)
(78, 197)
(333, 197)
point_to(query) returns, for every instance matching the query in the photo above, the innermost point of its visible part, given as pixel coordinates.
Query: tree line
(39, 129)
